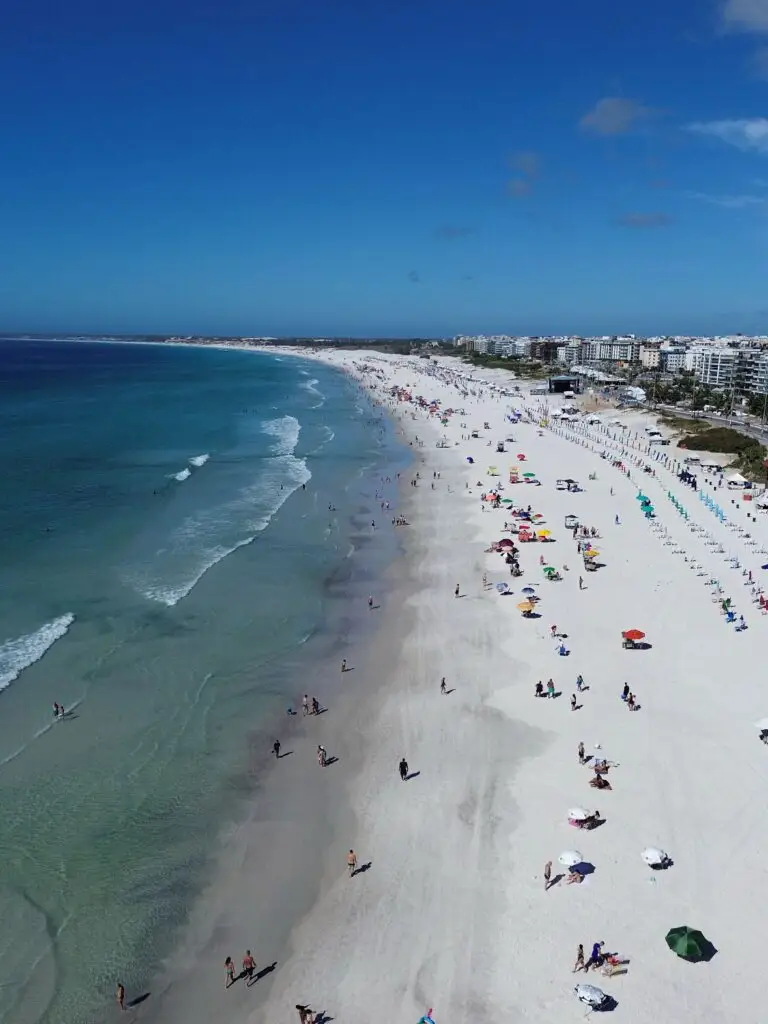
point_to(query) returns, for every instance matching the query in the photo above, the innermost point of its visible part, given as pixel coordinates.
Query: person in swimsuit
(352, 862)
(249, 965)
(120, 995)
(229, 967)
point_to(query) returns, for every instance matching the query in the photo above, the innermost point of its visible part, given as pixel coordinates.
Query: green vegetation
(681, 423)
(718, 439)
(529, 368)
(723, 439)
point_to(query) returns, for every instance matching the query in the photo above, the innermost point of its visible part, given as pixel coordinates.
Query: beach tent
(737, 480)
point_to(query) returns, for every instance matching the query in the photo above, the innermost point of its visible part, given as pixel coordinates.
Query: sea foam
(18, 654)
(197, 541)
(183, 474)
(199, 460)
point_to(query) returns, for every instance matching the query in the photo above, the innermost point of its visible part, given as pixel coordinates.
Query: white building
(713, 365)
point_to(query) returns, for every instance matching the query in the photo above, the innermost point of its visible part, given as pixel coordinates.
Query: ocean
(177, 526)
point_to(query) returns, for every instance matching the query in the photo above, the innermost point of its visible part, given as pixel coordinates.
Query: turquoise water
(166, 544)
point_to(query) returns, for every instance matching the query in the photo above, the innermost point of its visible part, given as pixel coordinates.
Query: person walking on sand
(403, 769)
(574, 702)
(456, 591)
(305, 703)
(305, 1014)
(581, 582)
(539, 691)
(581, 752)
(547, 874)
(352, 863)
(120, 995)
(370, 601)
(276, 748)
(551, 688)
(249, 965)
(443, 686)
(553, 630)
(596, 956)
(580, 682)
(322, 755)
(579, 965)
(343, 664)
(229, 967)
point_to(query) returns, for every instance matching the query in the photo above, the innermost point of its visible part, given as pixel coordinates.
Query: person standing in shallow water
(120, 995)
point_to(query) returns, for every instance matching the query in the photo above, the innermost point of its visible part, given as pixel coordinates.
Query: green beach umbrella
(688, 943)
(641, 497)
(549, 568)
(529, 474)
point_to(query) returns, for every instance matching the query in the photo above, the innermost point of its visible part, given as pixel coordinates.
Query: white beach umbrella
(589, 994)
(652, 856)
(578, 814)
(570, 858)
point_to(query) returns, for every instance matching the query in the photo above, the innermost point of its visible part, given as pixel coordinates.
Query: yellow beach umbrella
(591, 553)
(545, 533)
(525, 606)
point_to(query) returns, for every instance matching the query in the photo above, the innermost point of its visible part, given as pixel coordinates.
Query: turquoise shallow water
(167, 545)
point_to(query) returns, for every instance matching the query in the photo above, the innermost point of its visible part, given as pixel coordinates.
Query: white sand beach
(451, 912)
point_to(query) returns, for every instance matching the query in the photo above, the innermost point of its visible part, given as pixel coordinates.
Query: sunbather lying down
(574, 876)
(600, 783)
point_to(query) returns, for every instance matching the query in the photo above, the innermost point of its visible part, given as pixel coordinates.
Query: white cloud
(613, 115)
(749, 134)
(728, 202)
(746, 15)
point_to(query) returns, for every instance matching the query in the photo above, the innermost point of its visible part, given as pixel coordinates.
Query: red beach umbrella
(634, 634)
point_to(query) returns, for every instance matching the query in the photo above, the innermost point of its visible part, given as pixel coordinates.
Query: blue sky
(381, 168)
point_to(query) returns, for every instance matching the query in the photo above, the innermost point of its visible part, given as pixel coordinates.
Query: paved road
(758, 431)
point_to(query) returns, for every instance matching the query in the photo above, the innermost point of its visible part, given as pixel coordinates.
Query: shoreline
(266, 838)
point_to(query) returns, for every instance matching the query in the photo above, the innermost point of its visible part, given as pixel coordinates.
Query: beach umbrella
(641, 497)
(688, 943)
(548, 570)
(545, 533)
(503, 588)
(570, 858)
(653, 856)
(591, 553)
(505, 542)
(529, 474)
(634, 634)
(528, 590)
(525, 606)
(578, 814)
(590, 994)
